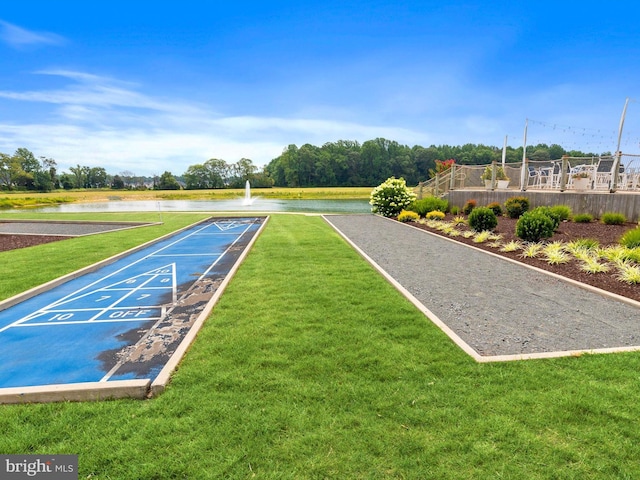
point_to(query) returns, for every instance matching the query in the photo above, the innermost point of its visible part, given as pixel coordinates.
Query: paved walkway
(493, 308)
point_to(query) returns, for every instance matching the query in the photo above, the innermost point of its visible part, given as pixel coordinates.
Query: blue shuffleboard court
(125, 319)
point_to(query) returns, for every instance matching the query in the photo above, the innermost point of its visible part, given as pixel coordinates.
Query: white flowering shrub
(391, 197)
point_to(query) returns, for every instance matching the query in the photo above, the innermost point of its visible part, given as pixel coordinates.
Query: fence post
(437, 184)
(524, 175)
(615, 171)
(563, 173)
(494, 166)
(452, 180)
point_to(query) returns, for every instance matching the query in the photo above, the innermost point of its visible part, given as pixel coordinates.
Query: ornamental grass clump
(482, 218)
(631, 239)
(531, 250)
(616, 254)
(534, 225)
(512, 246)
(482, 236)
(555, 253)
(583, 218)
(592, 265)
(391, 197)
(628, 273)
(612, 218)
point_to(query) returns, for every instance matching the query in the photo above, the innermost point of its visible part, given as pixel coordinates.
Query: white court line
(189, 255)
(86, 322)
(74, 295)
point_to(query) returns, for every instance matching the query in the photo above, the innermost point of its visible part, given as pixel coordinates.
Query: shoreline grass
(20, 199)
(313, 366)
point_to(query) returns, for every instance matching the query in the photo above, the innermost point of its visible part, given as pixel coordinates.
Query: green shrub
(631, 239)
(408, 216)
(516, 206)
(497, 209)
(469, 206)
(435, 215)
(549, 212)
(611, 218)
(583, 218)
(482, 218)
(391, 197)
(563, 212)
(534, 225)
(455, 210)
(429, 204)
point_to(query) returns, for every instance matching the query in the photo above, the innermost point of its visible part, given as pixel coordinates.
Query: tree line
(349, 163)
(334, 164)
(23, 171)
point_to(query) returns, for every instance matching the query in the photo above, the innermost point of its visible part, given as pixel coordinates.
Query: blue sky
(146, 87)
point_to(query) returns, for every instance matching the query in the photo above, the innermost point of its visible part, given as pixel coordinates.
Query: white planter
(580, 183)
(487, 184)
(503, 184)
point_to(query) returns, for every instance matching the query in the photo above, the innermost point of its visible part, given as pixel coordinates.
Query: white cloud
(99, 121)
(18, 37)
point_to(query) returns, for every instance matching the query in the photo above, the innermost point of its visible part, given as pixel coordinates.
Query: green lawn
(313, 366)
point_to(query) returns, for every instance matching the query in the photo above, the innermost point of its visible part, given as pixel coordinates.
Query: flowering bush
(391, 197)
(441, 167)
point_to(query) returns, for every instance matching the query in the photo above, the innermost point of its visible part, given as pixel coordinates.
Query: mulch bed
(11, 242)
(567, 232)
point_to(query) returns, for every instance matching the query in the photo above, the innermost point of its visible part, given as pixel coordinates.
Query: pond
(257, 205)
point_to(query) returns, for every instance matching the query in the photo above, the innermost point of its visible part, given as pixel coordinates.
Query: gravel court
(493, 308)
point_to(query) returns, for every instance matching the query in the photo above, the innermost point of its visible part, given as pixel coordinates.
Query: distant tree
(167, 182)
(556, 151)
(261, 180)
(79, 176)
(117, 183)
(9, 171)
(539, 154)
(67, 181)
(97, 177)
(28, 161)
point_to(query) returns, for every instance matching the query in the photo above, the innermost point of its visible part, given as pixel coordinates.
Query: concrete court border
(457, 339)
(111, 226)
(117, 389)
